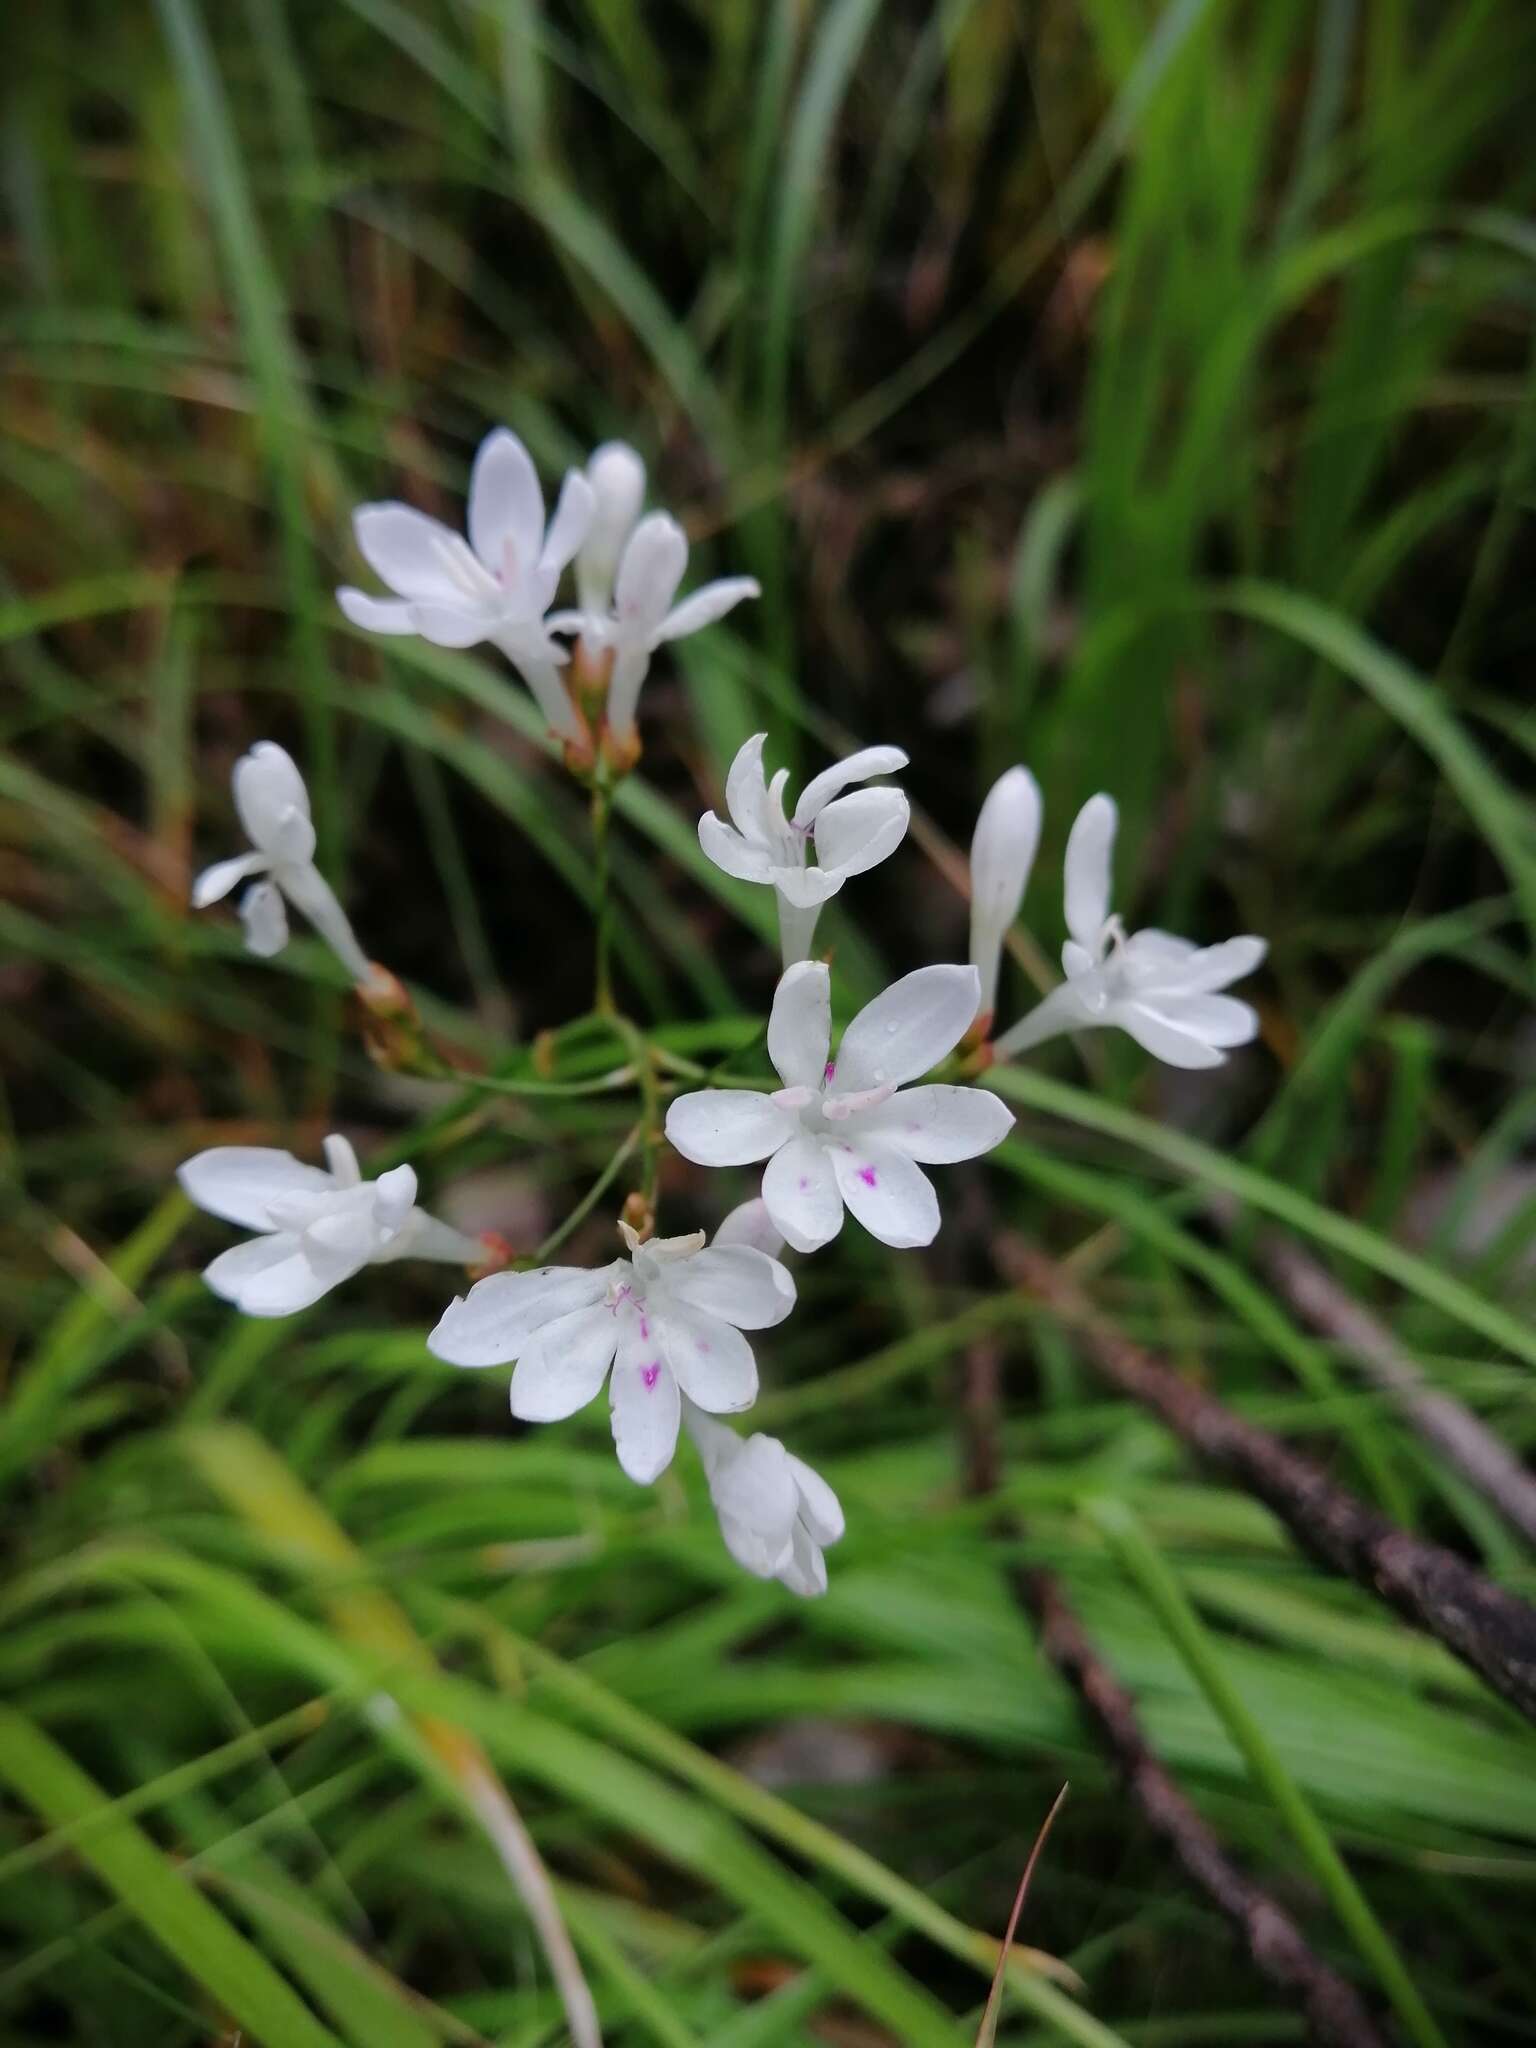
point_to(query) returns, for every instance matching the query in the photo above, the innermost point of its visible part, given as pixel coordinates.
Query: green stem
(590, 1199)
(642, 1056)
(1151, 1571)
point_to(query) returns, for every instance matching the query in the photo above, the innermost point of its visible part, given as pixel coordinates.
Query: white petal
(563, 1367)
(750, 1224)
(1002, 853)
(819, 1505)
(727, 1126)
(859, 767)
(216, 882)
(338, 1242)
(800, 1024)
(937, 1124)
(1062, 1010)
(264, 919)
(737, 1283)
(568, 528)
(709, 602)
(728, 850)
(746, 789)
(269, 792)
(394, 1197)
(1003, 845)
(646, 1406)
(617, 477)
(710, 1360)
(341, 1161)
(663, 1251)
(1090, 848)
(230, 1271)
(499, 1315)
(758, 1503)
(283, 1288)
(240, 1182)
(405, 549)
(450, 622)
(800, 1190)
(907, 1029)
(806, 1572)
(856, 833)
(376, 614)
(1163, 1038)
(1219, 1020)
(1162, 951)
(806, 888)
(891, 1197)
(505, 503)
(1216, 967)
(649, 573)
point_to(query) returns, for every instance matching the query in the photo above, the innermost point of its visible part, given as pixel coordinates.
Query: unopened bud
(1002, 854)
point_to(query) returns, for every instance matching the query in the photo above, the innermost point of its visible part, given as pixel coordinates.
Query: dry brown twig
(1460, 1437)
(1491, 1630)
(1335, 2014)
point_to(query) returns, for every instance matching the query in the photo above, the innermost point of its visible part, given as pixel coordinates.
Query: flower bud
(1002, 853)
(617, 477)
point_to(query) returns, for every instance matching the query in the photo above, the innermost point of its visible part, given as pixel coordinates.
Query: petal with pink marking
(891, 1196)
(800, 1190)
(563, 1366)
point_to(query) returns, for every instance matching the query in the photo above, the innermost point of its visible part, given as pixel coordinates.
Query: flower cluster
(500, 583)
(850, 1126)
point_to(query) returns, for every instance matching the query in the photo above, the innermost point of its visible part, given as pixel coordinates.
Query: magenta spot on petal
(867, 1175)
(645, 1328)
(651, 1375)
(804, 1182)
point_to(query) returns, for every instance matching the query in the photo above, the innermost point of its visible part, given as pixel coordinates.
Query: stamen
(840, 1106)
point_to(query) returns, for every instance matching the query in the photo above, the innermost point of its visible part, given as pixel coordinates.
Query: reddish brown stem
(1488, 1628)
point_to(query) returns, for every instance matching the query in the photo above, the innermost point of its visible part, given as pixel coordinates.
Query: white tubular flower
(643, 615)
(850, 833)
(317, 1227)
(1002, 854)
(668, 1320)
(838, 1131)
(497, 586)
(1161, 990)
(776, 1514)
(273, 806)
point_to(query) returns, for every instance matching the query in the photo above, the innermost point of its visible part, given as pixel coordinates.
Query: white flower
(318, 1228)
(776, 1514)
(838, 1131)
(496, 586)
(643, 615)
(668, 1319)
(1002, 854)
(273, 806)
(1160, 989)
(850, 833)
